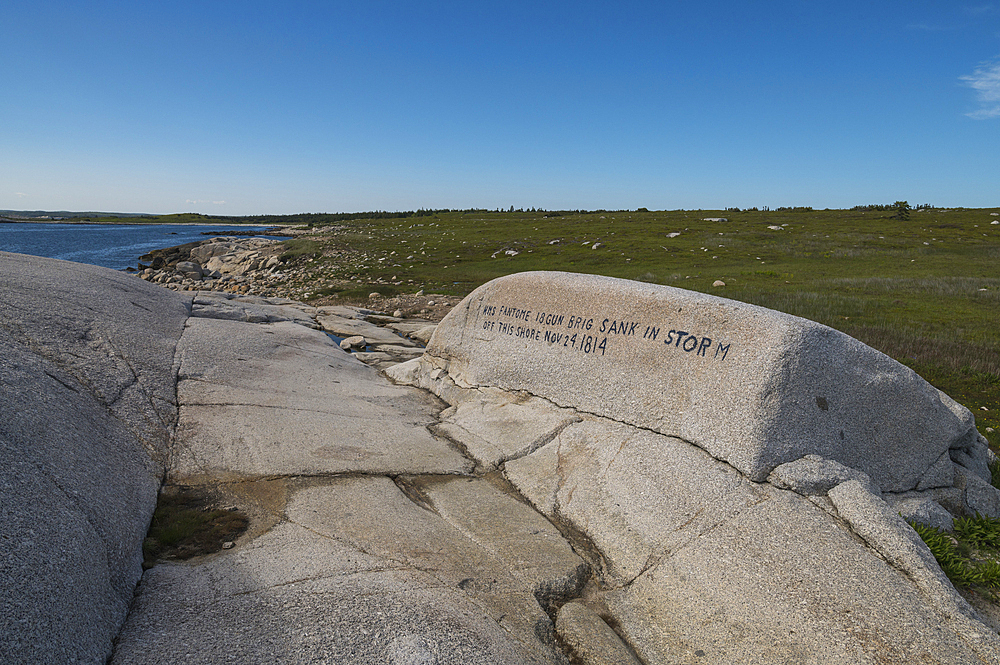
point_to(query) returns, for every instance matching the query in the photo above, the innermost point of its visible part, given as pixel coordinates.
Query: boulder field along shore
(566, 469)
(226, 263)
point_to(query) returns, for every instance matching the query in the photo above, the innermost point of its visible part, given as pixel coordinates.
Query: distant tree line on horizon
(893, 206)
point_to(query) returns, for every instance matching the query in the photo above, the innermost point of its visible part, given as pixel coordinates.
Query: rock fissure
(64, 384)
(542, 441)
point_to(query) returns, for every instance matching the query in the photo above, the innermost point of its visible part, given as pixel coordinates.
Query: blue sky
(266, 107)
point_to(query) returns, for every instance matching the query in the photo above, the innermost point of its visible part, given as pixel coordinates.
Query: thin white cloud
(985, 80)
(219, 203)
(20, 194)
(978, 9)
(928, 27)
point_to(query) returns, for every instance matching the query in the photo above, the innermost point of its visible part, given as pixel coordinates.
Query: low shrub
(299, 247)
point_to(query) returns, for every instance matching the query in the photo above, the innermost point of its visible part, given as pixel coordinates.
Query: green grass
(924, 291)
(300, 247)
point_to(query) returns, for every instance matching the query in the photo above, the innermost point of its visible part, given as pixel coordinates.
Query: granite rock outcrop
(487, 505)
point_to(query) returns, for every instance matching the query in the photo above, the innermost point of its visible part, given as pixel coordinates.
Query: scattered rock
(424, 334)
(923, 511)
(354, 342)
(189, 269)
(718, 282)
(343, 327)
(814, 476)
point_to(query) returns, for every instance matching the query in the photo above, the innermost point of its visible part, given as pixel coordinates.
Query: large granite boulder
(751, 386)
(87, 407)
(727, 471)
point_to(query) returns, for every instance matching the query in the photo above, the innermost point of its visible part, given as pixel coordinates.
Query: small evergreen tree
(902, 209)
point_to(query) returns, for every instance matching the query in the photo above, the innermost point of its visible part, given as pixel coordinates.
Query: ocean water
(116, 246)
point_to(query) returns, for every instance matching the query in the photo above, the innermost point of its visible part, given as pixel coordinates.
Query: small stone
(419, 293)
(228, 545)
(718, 282)
(353, 342)
(596, 245)
(374, 295)
(430, 302)
(398, 313)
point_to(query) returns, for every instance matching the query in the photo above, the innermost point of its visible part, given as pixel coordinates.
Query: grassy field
(925, 290)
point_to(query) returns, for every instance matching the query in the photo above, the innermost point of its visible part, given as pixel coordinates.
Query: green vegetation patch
(300, 247)
(184, 526)
(969, 557)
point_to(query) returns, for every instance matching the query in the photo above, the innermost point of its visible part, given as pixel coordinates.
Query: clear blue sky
(281, 107)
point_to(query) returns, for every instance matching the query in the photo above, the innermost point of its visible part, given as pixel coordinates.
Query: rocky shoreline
(250, 276)
(254, 267)
(223, 263)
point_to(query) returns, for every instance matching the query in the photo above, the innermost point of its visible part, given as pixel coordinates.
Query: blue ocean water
(116, 246)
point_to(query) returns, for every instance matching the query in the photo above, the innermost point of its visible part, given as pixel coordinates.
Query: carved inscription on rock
(598, 334)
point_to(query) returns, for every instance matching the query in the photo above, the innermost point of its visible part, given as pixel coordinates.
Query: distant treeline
(327, 218)
(890, 206)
